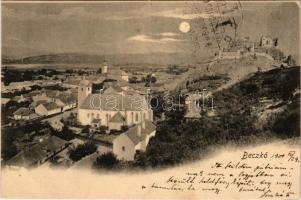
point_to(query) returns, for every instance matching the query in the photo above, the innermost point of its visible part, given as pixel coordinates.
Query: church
(114, 107)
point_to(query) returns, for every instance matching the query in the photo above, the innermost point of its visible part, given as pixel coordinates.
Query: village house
(38, 153)
(47, 109)
(117, 74)
(24, 114)
(268, 42)
(41, 97)
(135, 139)
(65, 101)
(71, 82)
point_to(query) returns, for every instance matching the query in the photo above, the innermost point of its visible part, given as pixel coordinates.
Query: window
(88, 89)
(123, 148)
(82, 89)
(97, 116)
(92, 114)
(136, 117)
(132, 116)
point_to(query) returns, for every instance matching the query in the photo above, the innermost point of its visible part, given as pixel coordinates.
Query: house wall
(69, 106)
(115, 125)
(54, 111)
(141, 146)
(129, 151)
(85, 116)
(125, 78)
(17, 117)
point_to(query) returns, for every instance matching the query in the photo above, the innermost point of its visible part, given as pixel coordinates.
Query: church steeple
(84, 89)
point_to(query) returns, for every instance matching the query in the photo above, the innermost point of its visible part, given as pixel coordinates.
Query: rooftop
(133, 135)
(23, 111)
(50, 105)
(114, 102)
(30, 156)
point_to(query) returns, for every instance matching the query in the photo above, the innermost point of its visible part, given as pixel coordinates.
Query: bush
(106, 161)
(81, 151)
(65, 134)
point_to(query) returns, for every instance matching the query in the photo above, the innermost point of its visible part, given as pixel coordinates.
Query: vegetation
(11, 134)
(237, 109)
(106, 161)
(65, 133)
(13, 75)
(81, 151)
(176, 70)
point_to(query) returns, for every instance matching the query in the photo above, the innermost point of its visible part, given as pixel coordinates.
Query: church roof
(113, 89)
(114, 102)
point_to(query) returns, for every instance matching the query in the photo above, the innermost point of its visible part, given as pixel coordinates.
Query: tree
(106, 161)
(66, 134)
(82, 150)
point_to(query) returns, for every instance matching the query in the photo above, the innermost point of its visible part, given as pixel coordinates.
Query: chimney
(139, 130)
(143, 124)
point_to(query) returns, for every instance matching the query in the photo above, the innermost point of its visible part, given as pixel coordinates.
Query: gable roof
(113, 89)
(52, 93)
(30, 156)
(132, 133)
(117, 118)
(67, 98)
(23, 111)
(114, 102)
(50, 105)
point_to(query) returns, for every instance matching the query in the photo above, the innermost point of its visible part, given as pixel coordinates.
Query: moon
(184, 27)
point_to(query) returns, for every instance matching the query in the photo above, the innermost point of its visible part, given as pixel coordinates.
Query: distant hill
(73, 58)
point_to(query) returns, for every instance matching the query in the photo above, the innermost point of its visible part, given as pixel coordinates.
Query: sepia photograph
(150, 99)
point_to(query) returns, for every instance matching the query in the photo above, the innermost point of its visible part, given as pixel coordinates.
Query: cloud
(145, 38)
(168, 34)
(180, 14)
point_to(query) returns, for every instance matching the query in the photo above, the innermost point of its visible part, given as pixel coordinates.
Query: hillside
(73, 58)
(238, 111)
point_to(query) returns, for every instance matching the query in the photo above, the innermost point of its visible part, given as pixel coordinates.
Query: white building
(113, 108)
(135, 139)
(24, 114)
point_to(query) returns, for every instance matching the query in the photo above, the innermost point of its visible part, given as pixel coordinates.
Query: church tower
(84, 89)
